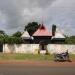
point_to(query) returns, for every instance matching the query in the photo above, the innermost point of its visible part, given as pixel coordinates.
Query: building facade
(39, 42)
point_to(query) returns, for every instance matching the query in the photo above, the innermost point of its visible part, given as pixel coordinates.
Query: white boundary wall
(33, 48)
(21, 48)
(59, 48)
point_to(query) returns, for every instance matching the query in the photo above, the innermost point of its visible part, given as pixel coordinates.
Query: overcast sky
(15, 14)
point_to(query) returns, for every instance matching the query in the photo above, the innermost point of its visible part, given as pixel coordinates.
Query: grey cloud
(17, 13)
(63, 14)
(13, 10)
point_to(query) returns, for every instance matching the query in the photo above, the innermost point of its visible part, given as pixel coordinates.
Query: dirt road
(22, 69)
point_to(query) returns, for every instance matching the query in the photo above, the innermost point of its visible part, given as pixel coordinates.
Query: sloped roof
(25, 35)
(42, 31)
(58, 34)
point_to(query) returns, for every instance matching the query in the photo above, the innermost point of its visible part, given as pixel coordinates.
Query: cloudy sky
(15, 14)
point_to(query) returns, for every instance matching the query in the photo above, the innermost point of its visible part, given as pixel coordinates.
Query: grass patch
(25, 57)
(72, 56)
(30, 57)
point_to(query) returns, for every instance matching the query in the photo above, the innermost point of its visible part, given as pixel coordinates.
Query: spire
(42, 31)
(42, 26)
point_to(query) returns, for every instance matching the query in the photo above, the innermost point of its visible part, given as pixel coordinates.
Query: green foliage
(17, 34)
(30, 57)
(31, 27)
(1, 39)
(17, 40)
(2, 36)
(13, 40)
(2, 32)
(70, 40)
(35, 57)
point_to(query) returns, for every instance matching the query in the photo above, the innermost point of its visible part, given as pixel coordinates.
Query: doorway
(42, 47)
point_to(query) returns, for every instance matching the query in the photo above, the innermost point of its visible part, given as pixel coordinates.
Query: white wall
(59, 48)
(33, 48)
(21, 48)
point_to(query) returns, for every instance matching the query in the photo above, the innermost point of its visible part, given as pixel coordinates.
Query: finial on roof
(42, 26)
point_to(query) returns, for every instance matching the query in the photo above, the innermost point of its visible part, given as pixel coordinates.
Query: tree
(31, 27)
(1, 39)
(70, 40)
(17, 34)
(2, 36)
(2, 32)
(13, 40)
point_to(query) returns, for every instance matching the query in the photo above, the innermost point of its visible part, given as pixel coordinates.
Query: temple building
(41, 42)
(42, 35)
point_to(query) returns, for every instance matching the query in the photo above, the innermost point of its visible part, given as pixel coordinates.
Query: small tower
(26, 37)
(58, 37)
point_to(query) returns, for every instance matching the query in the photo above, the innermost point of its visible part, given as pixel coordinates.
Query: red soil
(39, 63)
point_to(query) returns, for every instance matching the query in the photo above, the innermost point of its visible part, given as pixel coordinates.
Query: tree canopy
(70, 40)
(31, 27)
(2, 32)
(17, 34)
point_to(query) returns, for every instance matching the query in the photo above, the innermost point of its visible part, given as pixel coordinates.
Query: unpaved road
(22, 69)
(36, 68)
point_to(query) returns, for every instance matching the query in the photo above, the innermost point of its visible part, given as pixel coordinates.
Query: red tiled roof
(42, 31)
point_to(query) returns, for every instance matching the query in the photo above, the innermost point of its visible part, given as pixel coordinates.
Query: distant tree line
(15, 38)
(31, 27)
(70, 40)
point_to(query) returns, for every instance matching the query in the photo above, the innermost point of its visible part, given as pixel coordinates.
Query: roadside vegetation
(30, 57)
(25, 57)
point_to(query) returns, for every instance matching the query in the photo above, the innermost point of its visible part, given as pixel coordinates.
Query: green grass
(30, 57)
(25, 57)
